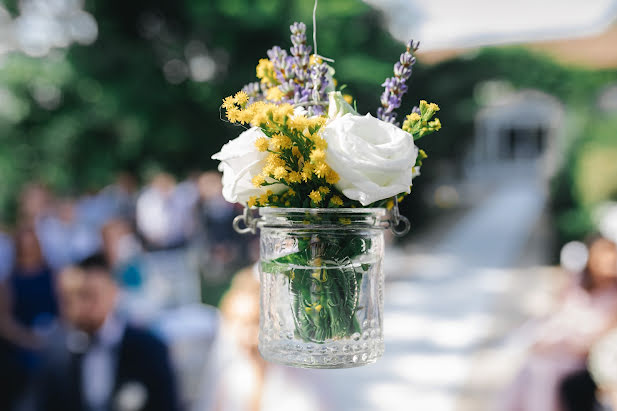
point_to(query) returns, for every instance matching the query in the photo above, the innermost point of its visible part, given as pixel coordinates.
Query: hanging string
(315, 35)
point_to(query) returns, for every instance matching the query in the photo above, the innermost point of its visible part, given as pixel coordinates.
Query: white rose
(373, 159)
(240, 162)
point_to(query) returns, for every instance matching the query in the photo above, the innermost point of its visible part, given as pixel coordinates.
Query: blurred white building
(518, 132)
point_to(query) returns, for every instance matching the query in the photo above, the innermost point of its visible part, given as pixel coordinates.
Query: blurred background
(109, 114)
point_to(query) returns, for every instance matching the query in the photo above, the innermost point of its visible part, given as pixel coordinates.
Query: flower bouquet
(326, 181)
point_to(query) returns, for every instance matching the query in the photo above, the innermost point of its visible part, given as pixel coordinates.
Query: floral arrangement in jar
(326, 181)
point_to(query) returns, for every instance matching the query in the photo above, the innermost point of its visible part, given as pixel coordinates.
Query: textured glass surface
(322, 287)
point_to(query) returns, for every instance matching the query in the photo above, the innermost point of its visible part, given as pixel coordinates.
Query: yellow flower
(320, 143)
(281, 141)
(294, 177)
(263, 199)
(321, 170)
(433, 107)
(282, 112)
(267, 170)
(315, 196)
(307, 172)
(413, 117)
(318, 155)
(241, 98)
(258, 180)
(324, 190)
(318, 307)
(262, 143)
(317, 121)
(298, 123)
(265, 70)
(228, 103)
(291, 192)
(233, 114)
(314, 59)
(348, 98)
(336, 200)
(274, 94)
(280, 173)
(274, 160)
(252, 201)
(435, 124)
(345, 221)
(332, 177)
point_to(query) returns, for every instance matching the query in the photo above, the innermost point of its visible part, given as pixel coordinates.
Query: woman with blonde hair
(238, 378)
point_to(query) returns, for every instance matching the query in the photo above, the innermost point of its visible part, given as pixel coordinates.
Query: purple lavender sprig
(282, 63)
(298, 80)
(396, 87)
(300, 51)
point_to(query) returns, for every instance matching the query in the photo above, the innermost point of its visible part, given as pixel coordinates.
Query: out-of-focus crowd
(101, 302)
(572, 352)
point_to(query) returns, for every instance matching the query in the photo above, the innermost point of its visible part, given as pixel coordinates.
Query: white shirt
(98, 368)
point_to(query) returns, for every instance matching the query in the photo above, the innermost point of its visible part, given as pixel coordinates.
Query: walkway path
(439, 307)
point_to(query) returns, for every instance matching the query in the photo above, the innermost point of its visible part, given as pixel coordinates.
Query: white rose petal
(373, 159)
(240, 162)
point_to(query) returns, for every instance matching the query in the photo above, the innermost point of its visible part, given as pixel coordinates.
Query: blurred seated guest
(238, 378)
(216, 213)
(577, 392)
(105, 363)
(227, 250)
(122, 249)
(156, 217)
(586, 390)
(27, 309)
(588, 309)
(64, 238)
(7, 255)
(184, 200)
(34, 202)
(116, 200)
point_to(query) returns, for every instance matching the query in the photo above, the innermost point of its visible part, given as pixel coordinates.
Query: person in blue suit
(100, 362)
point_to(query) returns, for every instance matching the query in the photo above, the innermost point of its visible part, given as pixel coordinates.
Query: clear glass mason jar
(321, 286)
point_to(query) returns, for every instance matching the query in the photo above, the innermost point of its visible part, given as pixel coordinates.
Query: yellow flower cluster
(296, 153)
(265, 72)
(420, 124)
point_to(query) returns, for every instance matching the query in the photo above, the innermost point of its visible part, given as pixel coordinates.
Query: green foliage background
(118, 112)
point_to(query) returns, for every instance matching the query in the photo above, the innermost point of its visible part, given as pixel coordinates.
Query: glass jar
(321, 286)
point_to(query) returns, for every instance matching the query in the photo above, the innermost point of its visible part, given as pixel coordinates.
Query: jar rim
(323, 218)
(268, 211)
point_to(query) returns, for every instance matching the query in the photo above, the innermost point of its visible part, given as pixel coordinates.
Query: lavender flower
(319, 84)
(300, 51)
(298, 80)
(254, 91)
(282, 63)
(396, 87)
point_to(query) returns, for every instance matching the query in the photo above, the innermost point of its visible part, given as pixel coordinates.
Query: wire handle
(247, 220)
(399, 224)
